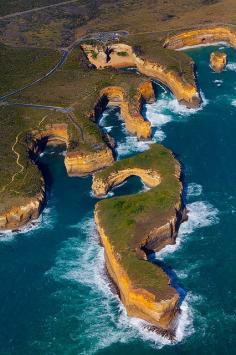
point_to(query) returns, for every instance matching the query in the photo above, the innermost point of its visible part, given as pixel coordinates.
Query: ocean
(55, 297)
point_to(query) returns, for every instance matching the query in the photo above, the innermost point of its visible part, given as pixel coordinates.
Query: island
(218, 61)
(132, 227)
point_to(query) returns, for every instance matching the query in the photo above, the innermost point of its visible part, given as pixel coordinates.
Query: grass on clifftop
(16, 125)
(76, 83)
(21, 66)
(127, 220)
(150, 47)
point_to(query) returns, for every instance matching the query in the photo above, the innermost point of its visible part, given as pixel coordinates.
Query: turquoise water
(55, 297)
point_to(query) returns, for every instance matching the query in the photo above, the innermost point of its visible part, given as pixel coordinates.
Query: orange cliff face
(138, 302)
(218, 61)
(18, 216)
(26, 208)
(80, 164)
(185, 92)
(157, 307)
(130, 112)
(77, 163)
(200, 37)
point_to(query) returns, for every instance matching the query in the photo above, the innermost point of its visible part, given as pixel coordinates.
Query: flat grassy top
(79, 85)
(150, 47)
(127, 220)
(20, 66)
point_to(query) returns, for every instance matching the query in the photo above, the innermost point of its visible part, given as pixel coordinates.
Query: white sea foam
(46, 221)
(194, 189)
(231, 66)
(233, 103)
(200, 214)
(223, 45)
(81, 260)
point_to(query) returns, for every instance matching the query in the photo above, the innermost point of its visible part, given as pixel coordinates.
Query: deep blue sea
(55, 297)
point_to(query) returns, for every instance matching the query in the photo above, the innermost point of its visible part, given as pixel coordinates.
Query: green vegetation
(21, 66)
(94, 54)
(122, 54)
(127, 220)
(78, 85)
(12, 6)
(16, 137)
(150, 47)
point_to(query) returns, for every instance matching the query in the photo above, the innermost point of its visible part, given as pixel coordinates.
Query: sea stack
(218, 61)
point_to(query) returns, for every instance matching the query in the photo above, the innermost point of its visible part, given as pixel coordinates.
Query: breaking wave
(81, 261)
(194, 189)
(200, 214)
(46, 220)
(231, 66)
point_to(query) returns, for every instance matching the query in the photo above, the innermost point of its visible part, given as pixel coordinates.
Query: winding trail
(18, 158)
(17, 162)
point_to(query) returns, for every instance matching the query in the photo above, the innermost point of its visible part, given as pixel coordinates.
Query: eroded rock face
(186, 93)
(20, 215)
(139, 302)
(100, 187)
(218, 61)
(152, 231)
(80, 164)
(201, 36)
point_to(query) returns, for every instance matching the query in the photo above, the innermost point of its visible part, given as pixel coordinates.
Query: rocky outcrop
(150, 298)
(18, 216)
(159, 311)
(130, 111)
(26, 209)
(52, 134)
(80, 164)
(201, 36)
(184, 91)
(101, 187)
(218, 61)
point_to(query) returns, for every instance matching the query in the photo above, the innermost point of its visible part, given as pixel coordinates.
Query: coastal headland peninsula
(54, 92)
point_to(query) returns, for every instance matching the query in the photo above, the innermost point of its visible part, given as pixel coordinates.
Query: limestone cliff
(201, 36)
(18, 216)
(185, 92)
(80, 164)
(218, 61)
(140, 303)
(101, 187)
(150, 226)
(130, 111)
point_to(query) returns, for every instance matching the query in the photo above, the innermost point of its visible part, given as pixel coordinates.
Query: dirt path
(18, 158)
(17, 162)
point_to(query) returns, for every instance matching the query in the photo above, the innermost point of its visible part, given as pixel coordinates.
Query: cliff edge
(133, 226)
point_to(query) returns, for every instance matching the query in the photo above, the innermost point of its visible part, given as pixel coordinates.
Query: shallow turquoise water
(54, 296)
